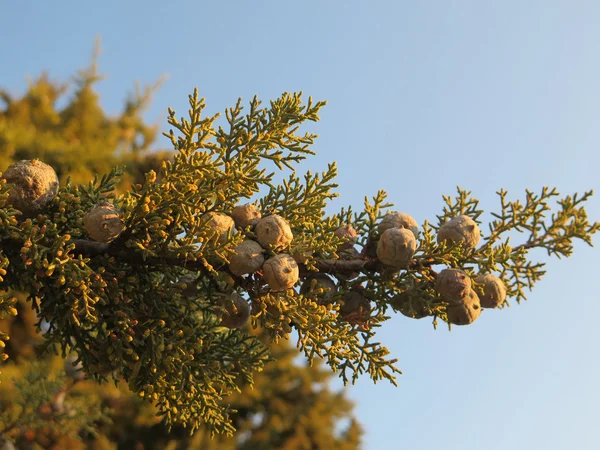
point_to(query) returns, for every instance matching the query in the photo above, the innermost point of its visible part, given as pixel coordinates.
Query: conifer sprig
(123, 308)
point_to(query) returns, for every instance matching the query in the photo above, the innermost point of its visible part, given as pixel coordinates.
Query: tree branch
(92, 248)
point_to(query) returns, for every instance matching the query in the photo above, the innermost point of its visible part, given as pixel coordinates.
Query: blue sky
(423, 96)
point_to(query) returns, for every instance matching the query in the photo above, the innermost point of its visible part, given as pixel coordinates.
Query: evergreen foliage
(150, 308)
(290, 406)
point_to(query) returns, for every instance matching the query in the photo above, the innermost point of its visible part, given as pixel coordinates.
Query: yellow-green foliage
(120, 307)
(287, 389)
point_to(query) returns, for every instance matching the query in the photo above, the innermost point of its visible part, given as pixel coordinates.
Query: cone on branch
(280, 272)
(396, 247)
(273, 232)
(453, 285)
(221, 223)
(491, 290)
(348, 254)
(33, 183)
(410, 304)
(103, 222)
(355, 307)
(348, 234)
(466, 311)
(237, 311)
(320, 283)
(395, 219)
(460, 229)
(248, 258)
(246, 215)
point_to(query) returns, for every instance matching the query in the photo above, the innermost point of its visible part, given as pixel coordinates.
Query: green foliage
(123, 308)
(288, 407)
(39, 402)
(120, 306)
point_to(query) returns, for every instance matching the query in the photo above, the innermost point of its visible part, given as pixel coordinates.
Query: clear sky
(423, 96)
